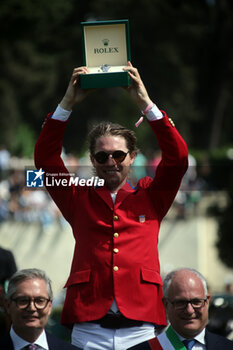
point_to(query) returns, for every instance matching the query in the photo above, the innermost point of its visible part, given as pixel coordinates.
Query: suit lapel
(211, 341)
(105, 195)
(49, 340)
(123, 193)
(6, 342)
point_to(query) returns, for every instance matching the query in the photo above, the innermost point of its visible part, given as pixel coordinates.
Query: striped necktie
(30, 347)
(189, 343)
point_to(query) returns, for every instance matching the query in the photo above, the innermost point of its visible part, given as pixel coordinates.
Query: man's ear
(208, 299)
(50, 306)
(132, 156)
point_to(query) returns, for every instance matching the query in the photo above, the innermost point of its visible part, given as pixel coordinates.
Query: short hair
(27, 274)
(168, 279)
(112, 129)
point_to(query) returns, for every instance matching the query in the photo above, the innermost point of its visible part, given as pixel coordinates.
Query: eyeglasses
(182, 304)
(22, 303)
(102, 157)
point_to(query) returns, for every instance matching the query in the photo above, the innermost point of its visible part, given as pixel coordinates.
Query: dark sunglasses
(102, 157)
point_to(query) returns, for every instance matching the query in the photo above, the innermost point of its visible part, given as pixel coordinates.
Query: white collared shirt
(61, 114)
(89, 336)
(200, 341)
(20, 343)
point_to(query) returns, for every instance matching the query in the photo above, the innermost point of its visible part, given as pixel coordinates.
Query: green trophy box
(106, 50)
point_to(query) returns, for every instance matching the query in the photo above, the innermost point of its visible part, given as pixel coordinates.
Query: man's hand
(74, 93)
(137, 89)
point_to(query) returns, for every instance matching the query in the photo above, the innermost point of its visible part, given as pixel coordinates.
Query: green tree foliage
(182, 48)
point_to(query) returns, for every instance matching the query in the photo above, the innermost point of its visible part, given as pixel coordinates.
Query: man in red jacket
(114, 291)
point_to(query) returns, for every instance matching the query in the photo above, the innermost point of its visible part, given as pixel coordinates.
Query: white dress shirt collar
(20, 343)
(200, 338)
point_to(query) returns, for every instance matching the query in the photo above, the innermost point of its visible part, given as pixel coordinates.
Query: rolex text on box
(106, 51)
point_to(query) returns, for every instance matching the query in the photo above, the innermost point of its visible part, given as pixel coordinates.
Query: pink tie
(31, 347)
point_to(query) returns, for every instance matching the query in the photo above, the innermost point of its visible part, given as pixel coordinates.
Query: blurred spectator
(154, 162)
(85, 170)
(221, 315)
(7, 265)
(4, 160)
(229, 284)
(34, 207)
(138, 169)
(7, 269)
(26, 205)
(72, 163)
(189, 193)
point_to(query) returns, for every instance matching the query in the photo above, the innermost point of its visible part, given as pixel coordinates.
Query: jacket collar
(122, 194)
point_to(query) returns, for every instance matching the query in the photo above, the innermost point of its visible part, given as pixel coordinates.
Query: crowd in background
(17, 202)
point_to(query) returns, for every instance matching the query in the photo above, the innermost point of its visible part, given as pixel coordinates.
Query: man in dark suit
(186, 301)
(7, 265)
(29, 304)
(7, 268)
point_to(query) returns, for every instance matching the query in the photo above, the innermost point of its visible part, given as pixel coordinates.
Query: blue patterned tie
(189, 343)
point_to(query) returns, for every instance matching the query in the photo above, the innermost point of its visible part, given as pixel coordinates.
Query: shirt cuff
(61, 114)
(154, 114)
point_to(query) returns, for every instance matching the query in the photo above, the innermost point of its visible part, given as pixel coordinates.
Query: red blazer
(99, 272)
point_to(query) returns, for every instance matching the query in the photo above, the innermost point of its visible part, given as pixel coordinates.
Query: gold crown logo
(105, 42)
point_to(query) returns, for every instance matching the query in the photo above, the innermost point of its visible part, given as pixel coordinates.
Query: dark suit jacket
(7, 265)
(54, 343)
(217, 342)
(213, 342)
